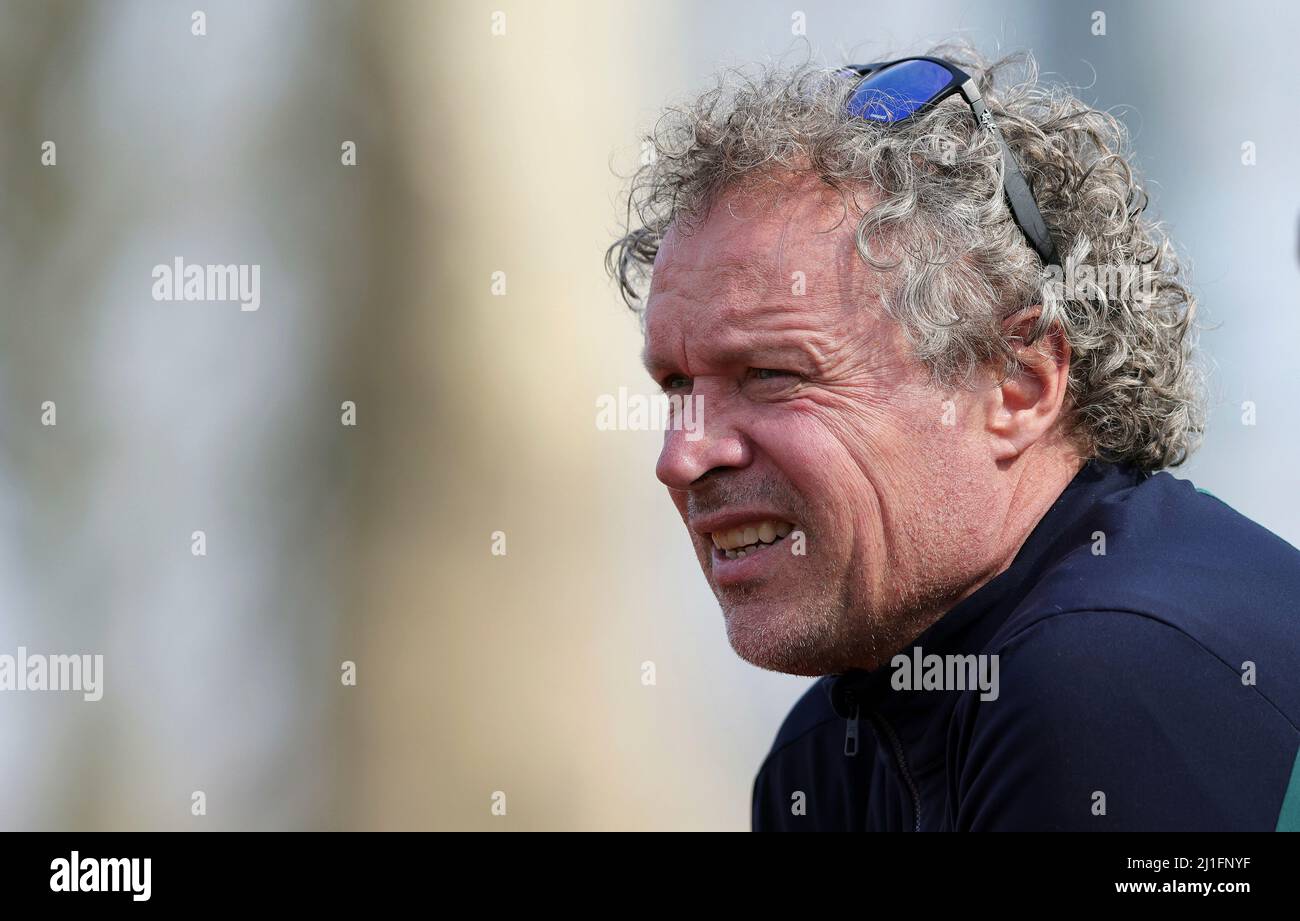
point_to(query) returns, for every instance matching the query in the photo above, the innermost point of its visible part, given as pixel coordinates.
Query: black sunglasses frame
(1024, 208)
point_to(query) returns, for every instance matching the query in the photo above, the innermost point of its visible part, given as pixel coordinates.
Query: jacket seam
(1155, 619)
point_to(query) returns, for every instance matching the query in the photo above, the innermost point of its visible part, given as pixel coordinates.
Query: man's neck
(1028, 490)
(1032, 486)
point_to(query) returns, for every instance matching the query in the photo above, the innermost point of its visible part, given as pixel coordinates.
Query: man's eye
(675, 382)
(767, 374)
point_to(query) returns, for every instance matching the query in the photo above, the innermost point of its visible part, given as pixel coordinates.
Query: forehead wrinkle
(742, 278)
(776, 319)
(780, 331)
(740, 297)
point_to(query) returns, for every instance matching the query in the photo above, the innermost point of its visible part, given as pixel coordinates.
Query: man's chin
(782, 638)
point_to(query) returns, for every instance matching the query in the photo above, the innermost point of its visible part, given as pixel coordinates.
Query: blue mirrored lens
(896, 92)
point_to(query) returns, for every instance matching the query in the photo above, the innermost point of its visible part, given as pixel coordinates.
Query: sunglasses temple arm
(1023, 207)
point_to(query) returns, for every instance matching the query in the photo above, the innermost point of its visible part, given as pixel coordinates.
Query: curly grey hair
(941, 229)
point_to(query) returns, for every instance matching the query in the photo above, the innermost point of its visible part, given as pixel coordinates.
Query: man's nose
(689, 453)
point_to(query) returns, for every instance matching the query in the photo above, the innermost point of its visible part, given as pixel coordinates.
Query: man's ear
(1025, 406)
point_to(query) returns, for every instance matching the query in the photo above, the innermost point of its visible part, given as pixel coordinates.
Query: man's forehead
(754, 311)
(741, 264)
(741, 270)
(756, 265)
(747, 240)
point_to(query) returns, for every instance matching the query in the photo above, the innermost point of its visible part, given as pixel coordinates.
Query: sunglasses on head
(897, 90)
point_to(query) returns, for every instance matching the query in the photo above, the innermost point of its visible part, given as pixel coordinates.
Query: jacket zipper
(851, 750)
(901, 760)
(851, 730)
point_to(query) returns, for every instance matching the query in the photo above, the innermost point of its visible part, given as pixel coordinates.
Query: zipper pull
(851, 732)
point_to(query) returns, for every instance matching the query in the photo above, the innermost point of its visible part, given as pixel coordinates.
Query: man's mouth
(751, 537)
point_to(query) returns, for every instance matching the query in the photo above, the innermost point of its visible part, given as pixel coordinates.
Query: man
(942, 356)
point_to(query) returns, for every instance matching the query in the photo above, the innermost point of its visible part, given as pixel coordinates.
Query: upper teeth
(766, 531)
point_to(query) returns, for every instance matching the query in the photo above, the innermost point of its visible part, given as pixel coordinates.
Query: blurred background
(490, 138)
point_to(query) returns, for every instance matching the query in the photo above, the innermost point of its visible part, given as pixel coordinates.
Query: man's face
(834, 498)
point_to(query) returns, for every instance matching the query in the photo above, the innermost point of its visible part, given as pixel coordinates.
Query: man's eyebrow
(759, 348)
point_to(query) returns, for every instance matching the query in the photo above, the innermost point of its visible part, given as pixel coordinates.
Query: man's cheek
(850, 418)
(799, 441)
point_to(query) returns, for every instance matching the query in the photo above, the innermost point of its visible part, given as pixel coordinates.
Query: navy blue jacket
(1152, 686)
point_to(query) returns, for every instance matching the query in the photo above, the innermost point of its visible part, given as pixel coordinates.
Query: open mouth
(737, 543)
